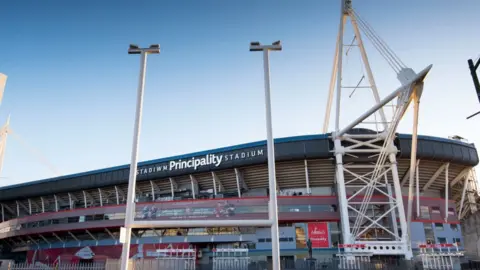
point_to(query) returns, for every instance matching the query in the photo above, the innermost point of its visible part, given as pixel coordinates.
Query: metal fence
(41, 266)
(165, 264)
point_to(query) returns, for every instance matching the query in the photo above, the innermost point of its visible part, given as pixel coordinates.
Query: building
(77, 217)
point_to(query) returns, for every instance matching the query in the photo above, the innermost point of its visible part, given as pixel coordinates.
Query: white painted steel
(413, 162)
(133, 165)
(378, 147)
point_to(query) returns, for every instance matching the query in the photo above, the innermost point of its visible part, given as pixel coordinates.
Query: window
(457, 241)
(424, 212)
(439, 226)
(429, 235)
(451, 212)
(442, 240)
(454, 227)
(435, 210)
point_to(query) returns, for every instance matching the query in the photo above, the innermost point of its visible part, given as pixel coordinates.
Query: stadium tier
(78, 217)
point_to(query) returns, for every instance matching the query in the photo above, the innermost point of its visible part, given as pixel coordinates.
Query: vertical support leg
(84, 198)
(332, 87)
(413, 160)
(342, 194)
(446, 192)
(43, 204)
(214, 184)
(307, 179)
(407, 246)
(237, 177)
(392, 205)
(56, 202)
(339, 68)
(100, 196)
(172, 187)
(417, 186)
(194, 186)
(117, 195)
(153, 190)
(29, 206)
(465, 184)
(70, 200)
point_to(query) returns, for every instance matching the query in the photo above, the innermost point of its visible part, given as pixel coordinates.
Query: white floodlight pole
(129, 215)
(272, 182)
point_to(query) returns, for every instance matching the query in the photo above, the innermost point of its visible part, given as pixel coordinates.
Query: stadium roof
(290, 148)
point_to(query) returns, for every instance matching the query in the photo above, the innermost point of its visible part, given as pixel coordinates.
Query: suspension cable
(379, 39)
(387, 53)
(36, 153)
(380, 49)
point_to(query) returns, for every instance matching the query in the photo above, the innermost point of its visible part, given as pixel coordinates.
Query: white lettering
(197, 162)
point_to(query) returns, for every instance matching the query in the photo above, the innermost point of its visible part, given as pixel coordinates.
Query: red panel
(318, 234)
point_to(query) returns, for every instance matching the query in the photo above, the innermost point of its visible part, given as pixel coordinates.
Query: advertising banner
(318, 234)
(207, 209)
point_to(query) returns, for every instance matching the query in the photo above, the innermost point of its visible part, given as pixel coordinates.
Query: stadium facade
(78, 217)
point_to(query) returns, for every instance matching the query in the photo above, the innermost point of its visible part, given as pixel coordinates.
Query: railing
(171, 264)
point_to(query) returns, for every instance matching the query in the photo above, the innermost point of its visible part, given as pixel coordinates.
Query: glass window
(429, 235)
(442, 240)
(301, 239)
(439, 226)
(435, 210)
(424, 212)
(454, 227)
(451, 211)
(457, 241)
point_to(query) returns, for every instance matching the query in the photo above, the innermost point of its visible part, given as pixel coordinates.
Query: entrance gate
(230, 258)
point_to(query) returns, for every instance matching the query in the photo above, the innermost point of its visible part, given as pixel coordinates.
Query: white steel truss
(366, 165)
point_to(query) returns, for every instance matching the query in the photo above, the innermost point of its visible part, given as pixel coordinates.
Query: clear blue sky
(72, 86)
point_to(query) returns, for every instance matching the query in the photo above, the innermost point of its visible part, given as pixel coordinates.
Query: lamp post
(272, 182)
(129, 215)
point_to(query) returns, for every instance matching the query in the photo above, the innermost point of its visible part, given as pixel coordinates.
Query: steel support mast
(367, 180)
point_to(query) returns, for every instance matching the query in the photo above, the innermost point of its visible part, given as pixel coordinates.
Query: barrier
(434, 256)
(41, 266)
(230, 258)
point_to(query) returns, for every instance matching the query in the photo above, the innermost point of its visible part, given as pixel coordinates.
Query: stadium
(359, 192)
(77, 217)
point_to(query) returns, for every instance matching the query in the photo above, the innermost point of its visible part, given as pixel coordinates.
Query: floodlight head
(134, 49)
(154, 48)
(276, 46)
(255, 46)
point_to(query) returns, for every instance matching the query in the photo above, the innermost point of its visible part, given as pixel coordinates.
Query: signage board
(318, 234)
(206, 161)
